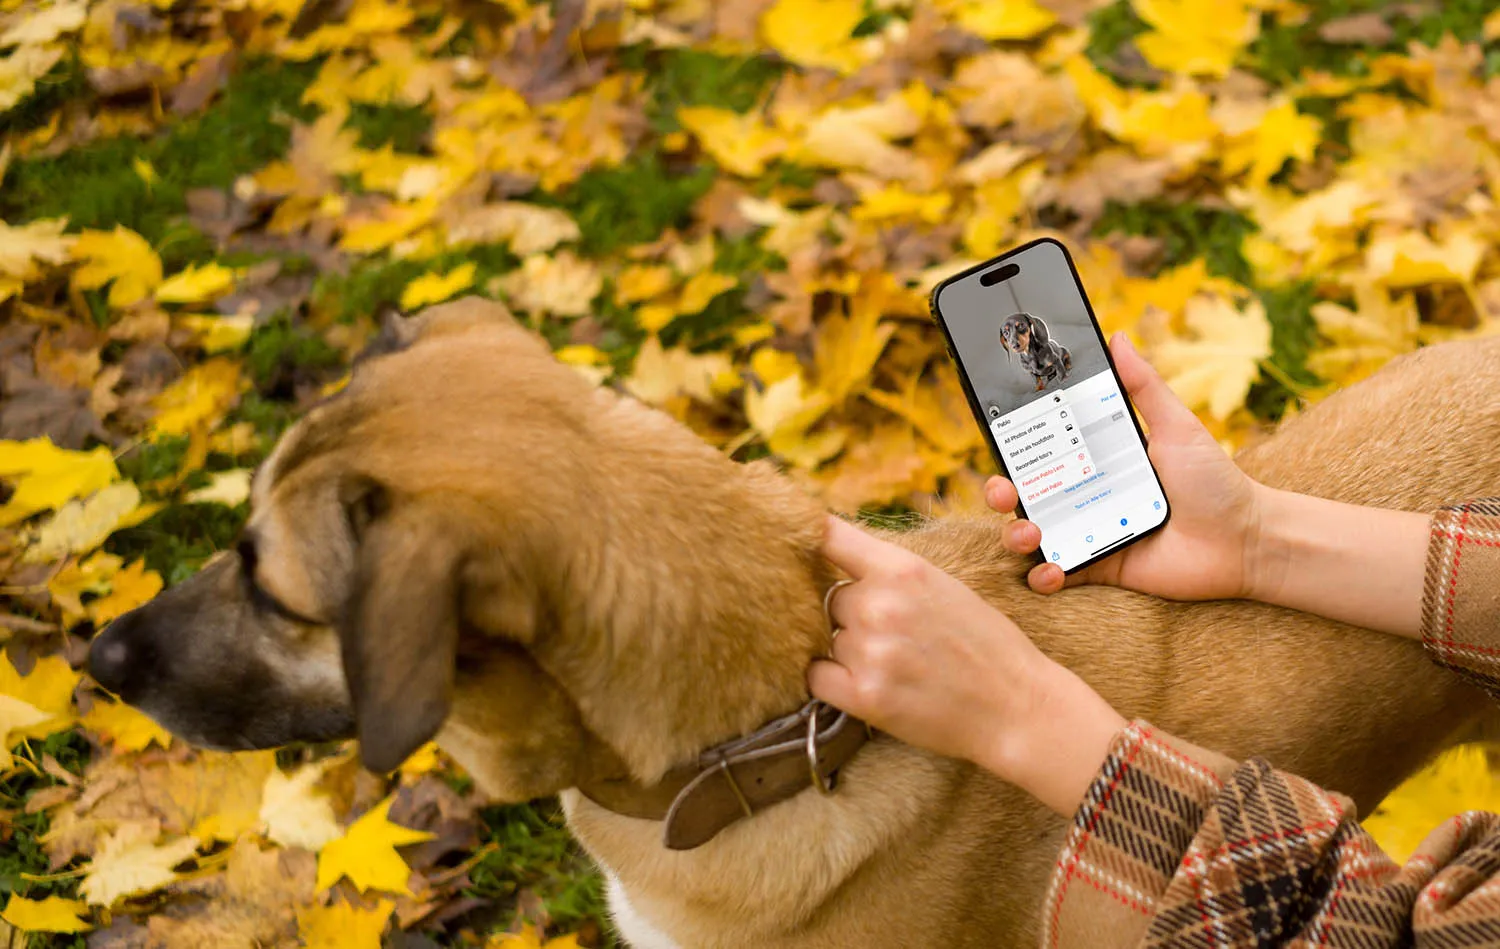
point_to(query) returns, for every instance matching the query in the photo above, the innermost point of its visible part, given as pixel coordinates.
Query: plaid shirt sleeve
(1178, 846)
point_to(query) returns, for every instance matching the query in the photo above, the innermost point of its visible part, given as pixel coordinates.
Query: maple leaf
(1213, 371)
(560, 284)
(229, 488)
(1363, 339)
(121, 256)
(47, 689)
(129, 862)
(18, 75)
(527, 228)
(199, 399)
(54, 914)
(81, 525)
(199, 283)
(217, 333)
(659, 374)
(24, 248)
(815, 32)
(366, 854)
(741, 144)
(1201, 37)
(850, 345)
(1267, 138)
(435, 288)
(530, 938)
(1002, 19)
(295, 812)
(125, 728)
(90, 575)
(129, 588)
(862, 137)
(343, 925)
(1411, 259)
(46, 25)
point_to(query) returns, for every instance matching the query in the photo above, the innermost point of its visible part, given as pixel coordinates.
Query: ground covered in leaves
(734, 211)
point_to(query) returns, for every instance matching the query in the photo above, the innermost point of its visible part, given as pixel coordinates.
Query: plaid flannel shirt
(1177, 846)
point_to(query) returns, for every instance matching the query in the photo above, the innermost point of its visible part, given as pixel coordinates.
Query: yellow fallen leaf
(435, 288)
(863, 137)
(642, 282)
(25, 246)
(125, 728)
(343, 926)
(1213, 370)
(1491, 28)
(850, 344)
(529, 938)
(295, 812)
(131, 587)
(199, 399)
(229, 488)
(77, 577)
(48, 689)
(1002, 19)
(18, 75)
(421, 761)
(527, 228)
(1363, 339)
(1459, 780)
(1278, 134)
(129, 862)
(122, 256)
(785, 412)
(218, 333)
(16, 717)
(815, 32)
(741, 144)
(228, 795)
(366, 854)
(560, 284)
(54, 914)
(1412, 259)
(81, 525)
(660, 375)
(197, 284)
(45, 25)
(1198, 37)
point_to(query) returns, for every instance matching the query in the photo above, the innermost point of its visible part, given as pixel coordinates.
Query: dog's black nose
(113, 654)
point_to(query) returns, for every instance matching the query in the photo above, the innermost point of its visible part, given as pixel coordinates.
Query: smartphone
(1042, 386)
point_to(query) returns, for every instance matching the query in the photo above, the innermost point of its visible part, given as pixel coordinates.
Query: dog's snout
(116, 655)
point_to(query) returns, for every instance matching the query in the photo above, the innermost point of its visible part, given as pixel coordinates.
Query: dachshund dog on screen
(1046, 360)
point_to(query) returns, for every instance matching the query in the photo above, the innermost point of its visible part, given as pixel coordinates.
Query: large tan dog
(563, 585)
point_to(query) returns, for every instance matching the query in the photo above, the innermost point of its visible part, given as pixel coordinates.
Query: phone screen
(1042, 383)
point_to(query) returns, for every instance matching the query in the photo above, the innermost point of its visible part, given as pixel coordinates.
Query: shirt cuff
(1461, 595)
(1128, 837)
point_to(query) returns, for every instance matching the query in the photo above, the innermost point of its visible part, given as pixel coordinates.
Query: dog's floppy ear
(1039, 332)
(399, 630)
(1004, 339)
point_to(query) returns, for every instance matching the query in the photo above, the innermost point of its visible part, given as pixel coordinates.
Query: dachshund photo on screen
(1046, 360)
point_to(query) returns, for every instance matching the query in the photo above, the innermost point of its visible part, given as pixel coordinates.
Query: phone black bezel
(978, 411)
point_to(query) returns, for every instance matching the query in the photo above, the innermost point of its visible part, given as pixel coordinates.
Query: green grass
(633, 202)
(281, 356)
(404, 128)
(681, 78)
(1186, 232)
(95, 185)
(1293, 334)
(20, 850)
(179, 539)
(535, 852)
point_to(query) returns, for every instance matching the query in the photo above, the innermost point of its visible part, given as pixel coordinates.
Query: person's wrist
(1054, 739)
(1267, 544)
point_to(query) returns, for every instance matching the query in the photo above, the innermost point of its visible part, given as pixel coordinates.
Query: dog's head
(1015, 334)
(453, 542)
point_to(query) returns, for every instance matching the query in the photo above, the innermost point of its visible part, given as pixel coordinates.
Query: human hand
(921, 656)
(1206, 550)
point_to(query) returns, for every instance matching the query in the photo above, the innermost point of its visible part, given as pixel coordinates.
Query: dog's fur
(1047, 360)
(560, 582)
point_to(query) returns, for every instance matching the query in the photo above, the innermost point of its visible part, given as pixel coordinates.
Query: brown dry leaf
(130, 862)
(255, 902)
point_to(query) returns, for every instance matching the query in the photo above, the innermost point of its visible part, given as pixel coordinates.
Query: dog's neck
(701, 627)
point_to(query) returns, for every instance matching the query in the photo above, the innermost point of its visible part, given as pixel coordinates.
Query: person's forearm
(1359, 565)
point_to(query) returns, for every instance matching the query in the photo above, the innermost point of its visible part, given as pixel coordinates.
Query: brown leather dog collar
(740, 777)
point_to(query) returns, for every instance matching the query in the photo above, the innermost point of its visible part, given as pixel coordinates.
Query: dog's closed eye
(261, 598)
